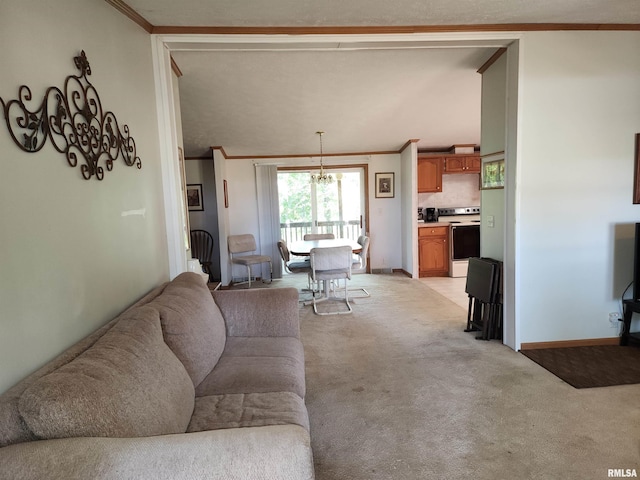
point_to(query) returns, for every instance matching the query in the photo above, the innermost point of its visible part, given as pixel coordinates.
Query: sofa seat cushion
(257, 365)
(192, 324)
(264, 347)
(128, 384)
(248, 410)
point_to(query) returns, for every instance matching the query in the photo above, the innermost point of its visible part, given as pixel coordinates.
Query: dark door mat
(588, 367)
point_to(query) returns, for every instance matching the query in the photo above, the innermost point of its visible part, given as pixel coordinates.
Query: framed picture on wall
(385, 185)
(492, 175)
(194, 197)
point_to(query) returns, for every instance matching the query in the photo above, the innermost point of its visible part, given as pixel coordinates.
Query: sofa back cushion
(192, 324)
(128, 384)
(12, 428)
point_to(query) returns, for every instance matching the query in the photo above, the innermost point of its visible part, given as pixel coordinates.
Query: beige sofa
(185, 384)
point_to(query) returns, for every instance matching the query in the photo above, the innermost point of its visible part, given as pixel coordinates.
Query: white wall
(492, 141)
(580, 109)
(175, 88)
(409, 240)
(385, 222)
(182, 177)
(220, 174)
(74, 253)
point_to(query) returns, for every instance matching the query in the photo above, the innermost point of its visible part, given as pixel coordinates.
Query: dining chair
(328, 264)
(202, 249)
(318, 236)
(241, 248)
(294, 266)
(359, 264)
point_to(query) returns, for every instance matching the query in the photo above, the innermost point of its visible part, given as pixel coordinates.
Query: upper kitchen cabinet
(462, 164)
(430, 173)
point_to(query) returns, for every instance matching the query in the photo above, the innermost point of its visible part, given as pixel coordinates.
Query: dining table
(302, 248)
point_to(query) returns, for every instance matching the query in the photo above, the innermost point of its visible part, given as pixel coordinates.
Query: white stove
(464, 237)
(459, 215)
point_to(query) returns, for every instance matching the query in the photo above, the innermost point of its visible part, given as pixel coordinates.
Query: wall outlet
(614, 318)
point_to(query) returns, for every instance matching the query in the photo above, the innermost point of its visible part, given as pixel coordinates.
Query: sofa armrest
(280, 452)
(266, 312)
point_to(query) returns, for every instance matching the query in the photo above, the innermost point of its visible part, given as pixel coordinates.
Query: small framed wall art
(385, 185)
(492, 174)
(194, 197)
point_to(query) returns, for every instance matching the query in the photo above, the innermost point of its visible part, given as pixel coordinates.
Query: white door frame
(169, 166)
(163, 44)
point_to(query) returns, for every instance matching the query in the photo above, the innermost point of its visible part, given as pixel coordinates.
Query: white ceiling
(382, 12)
(269, 100)
(273, 102)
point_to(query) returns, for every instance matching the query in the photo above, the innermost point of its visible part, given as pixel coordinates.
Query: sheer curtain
(269, 216)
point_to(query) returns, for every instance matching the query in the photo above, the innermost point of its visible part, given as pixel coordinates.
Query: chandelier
(321, 178)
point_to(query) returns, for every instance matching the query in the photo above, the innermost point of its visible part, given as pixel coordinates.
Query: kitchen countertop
(447, 220)
(433, 224)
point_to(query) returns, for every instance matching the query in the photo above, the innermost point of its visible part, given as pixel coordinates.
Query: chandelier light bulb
(321, 178)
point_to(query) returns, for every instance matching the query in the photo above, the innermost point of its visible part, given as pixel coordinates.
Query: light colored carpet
(397, 390)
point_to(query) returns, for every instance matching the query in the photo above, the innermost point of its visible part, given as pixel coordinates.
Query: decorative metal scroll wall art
(75, 123)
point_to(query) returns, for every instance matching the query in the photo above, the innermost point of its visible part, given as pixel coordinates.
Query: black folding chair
(485, 299)
(202, 249)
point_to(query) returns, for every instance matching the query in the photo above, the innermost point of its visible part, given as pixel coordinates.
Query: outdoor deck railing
(294, 231)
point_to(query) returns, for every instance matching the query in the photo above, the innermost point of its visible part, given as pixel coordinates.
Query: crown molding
(492, 60)
(175, 67)
(441, 151)
(305, 155)
(385, 30)
(407, 143)
(125, 9)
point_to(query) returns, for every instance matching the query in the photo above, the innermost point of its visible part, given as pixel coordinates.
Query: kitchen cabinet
(462, 164)
(430, 174)
(433, 251)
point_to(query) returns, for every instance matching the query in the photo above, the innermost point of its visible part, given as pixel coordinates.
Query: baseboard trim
(587, 342)
(381, 270)
(390, 271)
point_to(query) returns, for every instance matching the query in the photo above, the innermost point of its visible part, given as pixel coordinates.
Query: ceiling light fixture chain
(321, 178)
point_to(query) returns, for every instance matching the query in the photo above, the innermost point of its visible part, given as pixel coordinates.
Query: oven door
(465, 241)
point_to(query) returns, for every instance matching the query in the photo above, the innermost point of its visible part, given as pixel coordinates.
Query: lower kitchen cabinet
(433, 251)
